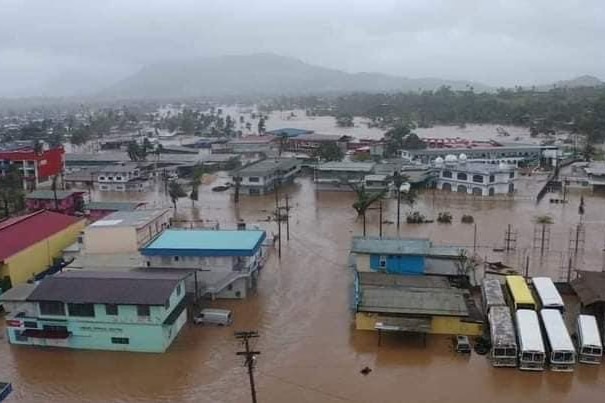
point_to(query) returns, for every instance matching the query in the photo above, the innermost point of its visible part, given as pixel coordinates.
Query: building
(590, 288)
(479, 179)
(595, 176)
(30, 243)
(416, 304)
(121, 178)
(342, 176)
(225, 263)
(35, 167)
(125, 231)
(289, 132)
(309, 143)
(262, 177)
(489, 152)
(62, 201)
(127, 311)
(253, 145)
(97, 210)
(15, 299)
(410, 256)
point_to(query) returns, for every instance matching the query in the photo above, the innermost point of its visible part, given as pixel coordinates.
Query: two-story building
(224, 263)
(263, 176)
(479, 179)
(121, 178)
(62, 201)
(35, 166)
(29, 244)
(253, 145)
(344, 176)
(125, 231)
(139, 311)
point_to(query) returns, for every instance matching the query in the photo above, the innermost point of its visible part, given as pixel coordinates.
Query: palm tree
(196, 181)
(175, 191)
(544, 221)
(364, 201)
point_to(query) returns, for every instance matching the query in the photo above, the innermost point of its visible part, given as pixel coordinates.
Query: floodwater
(309, 351)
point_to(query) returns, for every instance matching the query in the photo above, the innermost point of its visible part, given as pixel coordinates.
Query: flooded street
(309, 351)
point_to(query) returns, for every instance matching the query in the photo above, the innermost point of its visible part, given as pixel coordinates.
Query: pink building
(66, 202)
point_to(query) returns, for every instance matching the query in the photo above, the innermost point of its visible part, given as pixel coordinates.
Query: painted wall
(398, 264)
(455, 325)
(110, 240)
(35, 259)
(362, 262)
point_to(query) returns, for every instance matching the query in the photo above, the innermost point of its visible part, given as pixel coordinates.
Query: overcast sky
(57, 45)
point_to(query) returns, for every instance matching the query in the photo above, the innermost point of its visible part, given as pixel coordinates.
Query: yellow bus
(520, 295)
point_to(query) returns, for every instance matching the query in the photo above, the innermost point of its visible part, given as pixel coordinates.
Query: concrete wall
(362, 262)
(36, 258)
(110, 240)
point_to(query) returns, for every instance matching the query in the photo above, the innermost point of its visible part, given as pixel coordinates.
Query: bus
(519, 293)
(491, 293)
(560, 348)
(529, 339)
(590, 348)
(504, 344)
(548, 296)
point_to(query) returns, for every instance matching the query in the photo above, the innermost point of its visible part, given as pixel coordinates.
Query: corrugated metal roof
(18, 233)
(114, 206)
(101, 287)
(590, 287)
(19, 292)
(136, 218)
(268, 166)
(401, 246)
(206, 241)
(50, 195)
(344, 166)
(384, 279)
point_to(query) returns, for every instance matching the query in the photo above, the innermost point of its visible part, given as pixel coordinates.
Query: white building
(458, 175)
(121, 178)
(261, 177)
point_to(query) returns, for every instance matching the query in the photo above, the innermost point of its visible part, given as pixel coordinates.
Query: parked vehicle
(548, 295)
(5, 390)
(463, 345)
(529, 338)
(590, 349)
(560, 348)
(504, 344)
(220, 317)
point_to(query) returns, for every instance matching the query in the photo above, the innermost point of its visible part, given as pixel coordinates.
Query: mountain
(261, 74)
(581, 81)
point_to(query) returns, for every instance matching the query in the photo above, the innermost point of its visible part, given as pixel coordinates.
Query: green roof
(114, 206)
(50, 195)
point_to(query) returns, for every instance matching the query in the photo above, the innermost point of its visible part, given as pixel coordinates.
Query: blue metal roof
(205, 243)
(289, 132)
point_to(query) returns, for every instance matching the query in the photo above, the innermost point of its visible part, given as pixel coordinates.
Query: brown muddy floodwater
(309, 351)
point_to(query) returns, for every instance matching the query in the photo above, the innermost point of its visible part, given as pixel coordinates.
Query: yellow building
(29, 243)
(420, 304)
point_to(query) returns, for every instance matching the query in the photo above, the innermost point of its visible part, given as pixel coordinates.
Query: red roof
(21, 232)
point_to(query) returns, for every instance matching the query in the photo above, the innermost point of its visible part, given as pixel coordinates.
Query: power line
(250, 358)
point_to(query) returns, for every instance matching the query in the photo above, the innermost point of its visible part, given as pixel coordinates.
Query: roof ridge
(19, 219)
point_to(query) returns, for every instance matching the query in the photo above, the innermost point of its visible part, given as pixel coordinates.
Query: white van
(221, 317)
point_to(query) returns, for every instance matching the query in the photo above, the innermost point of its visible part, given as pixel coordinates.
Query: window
(101, 178)
(230, 287)
(19, 336)
(84, 310)
(382, 262)
(118, 178)
(254, 179)
(558, 356)
(446, 174)
(52, 308)
(176, 258)
(54, 328)
(111, 309)
(143, 310)
(110, 178)
(499, 352)
(462, 176)
(30, 324)
(511, 175)
(478, 178)
(120, 340)
(526, 357)
(179, 289)
(167, 304)
(492, 178)
(511, 352)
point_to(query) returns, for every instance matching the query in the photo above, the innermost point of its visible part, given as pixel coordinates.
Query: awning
(46, 334)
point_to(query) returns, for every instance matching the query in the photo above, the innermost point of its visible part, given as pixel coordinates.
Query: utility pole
(475, 240)
(250, 357)
(398, 209)
(278, 217)
(287, 218)
(380, 217)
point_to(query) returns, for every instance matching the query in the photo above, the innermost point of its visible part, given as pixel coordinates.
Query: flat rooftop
(137, 218)
(206, 243)
(49, 194)
(401, 246)
(113, 205)
(347, 166)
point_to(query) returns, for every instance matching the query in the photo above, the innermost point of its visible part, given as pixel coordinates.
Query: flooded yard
(309, 351)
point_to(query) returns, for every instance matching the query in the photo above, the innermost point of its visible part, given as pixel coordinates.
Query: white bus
(590, 348)
(504, 345)
(529, 338)
(548, 295)
(492, 295)
(561, 351)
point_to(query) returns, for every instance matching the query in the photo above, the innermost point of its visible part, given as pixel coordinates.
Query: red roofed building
(35, 167)
(29, 243)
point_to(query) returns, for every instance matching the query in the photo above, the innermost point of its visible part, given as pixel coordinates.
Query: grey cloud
(502, 42)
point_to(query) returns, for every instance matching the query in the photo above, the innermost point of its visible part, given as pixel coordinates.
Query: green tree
(408, 197)
(196, 182)
(133, 151)
(329, 152)
(394, 140)
(364, 200)
(261, 125)
(11, 190)
(413, 142)
(175, 191)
